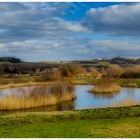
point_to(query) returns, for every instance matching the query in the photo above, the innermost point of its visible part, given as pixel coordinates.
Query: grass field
(110, 122)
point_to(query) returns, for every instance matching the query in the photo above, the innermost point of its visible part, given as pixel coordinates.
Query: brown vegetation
(132, 72)
(114, 71)
(69, 71)
(39, 96)
(106, 86)
(95, 73)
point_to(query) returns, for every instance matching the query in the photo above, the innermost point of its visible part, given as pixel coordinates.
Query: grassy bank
(19, 81)
(121, 82)
(22, 84)
(129, 82)
(26, 80)
(111, 122)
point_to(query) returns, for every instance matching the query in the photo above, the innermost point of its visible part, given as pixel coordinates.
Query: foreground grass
(111, 122)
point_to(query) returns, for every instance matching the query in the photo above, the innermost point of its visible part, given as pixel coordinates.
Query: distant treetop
(10, 59)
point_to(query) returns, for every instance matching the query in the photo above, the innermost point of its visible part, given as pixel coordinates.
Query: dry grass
(131, 72)
(12, 85)
(114, 71)
(39, 96)
(106, 86)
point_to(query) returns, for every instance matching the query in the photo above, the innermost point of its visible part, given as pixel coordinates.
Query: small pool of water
(85, 99)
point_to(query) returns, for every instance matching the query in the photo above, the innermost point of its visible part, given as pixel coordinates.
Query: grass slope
(111, 122)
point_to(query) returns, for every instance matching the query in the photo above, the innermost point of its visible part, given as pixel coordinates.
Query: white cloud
(71, 26)
(56, 49)
(121, 19)
(22, 21)
(38, 31)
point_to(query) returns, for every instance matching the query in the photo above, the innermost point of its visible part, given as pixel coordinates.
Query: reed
(39, 96)
(106, 86)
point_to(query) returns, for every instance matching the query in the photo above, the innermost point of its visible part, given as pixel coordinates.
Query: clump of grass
(39, 96)
(106, 86)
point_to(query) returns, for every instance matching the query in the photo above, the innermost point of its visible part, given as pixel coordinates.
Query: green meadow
(94, 123)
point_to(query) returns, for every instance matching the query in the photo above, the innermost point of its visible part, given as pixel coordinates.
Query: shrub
(69, 71)
(94, 73)
(114, 71)
(49, 75)
(132, 72)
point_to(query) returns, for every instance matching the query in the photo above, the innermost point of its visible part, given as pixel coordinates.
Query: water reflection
(125, 102)
(37, 90)
(86, 99)
(59, 107)
(105, 95)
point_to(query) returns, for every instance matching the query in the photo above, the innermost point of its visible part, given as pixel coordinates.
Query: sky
(58, 31)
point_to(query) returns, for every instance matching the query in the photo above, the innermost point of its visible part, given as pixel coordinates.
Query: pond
(85, 99)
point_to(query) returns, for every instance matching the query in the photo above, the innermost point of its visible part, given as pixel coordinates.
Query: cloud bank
(41, 31)
(115, 20)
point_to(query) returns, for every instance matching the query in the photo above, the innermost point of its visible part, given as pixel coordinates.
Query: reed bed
(106, 86)
(38, 96)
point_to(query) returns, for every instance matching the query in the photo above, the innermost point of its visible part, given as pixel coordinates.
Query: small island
(106, 86)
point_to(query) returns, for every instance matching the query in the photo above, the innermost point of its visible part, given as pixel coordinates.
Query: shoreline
(7, 86)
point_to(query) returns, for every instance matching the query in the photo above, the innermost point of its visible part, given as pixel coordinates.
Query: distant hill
(10, 59)
(116, 60)
(10, 65)
(124, 61)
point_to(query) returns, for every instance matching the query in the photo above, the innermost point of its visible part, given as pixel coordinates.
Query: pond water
(85, 99)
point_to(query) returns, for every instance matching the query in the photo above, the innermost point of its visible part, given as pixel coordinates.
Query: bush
(114, 71)
(49, 75)
(132, 72)
(94, 73)
(69, 71)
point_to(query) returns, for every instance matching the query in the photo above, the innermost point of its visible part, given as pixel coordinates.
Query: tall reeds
(38, 96)
(106, 86)
(132, 72)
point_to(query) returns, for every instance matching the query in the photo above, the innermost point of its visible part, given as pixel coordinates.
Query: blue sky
(69, 31)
